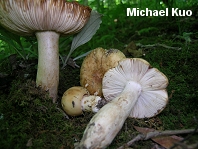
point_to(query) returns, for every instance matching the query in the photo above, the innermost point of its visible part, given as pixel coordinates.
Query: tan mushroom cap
(94, 66)
(25, 17)
(71, 100)
(153, 98)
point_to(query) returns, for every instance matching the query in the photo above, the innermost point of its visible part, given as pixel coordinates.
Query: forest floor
(29, 119)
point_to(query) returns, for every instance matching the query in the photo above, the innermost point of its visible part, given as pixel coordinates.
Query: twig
(157, 45)
(155, 134)
(196, 129)
(64, 114)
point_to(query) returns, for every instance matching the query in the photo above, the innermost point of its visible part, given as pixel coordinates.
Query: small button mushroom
(94, 66)
(133, 89)
(77, 99)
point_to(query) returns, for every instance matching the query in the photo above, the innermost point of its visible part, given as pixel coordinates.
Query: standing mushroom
(94, 66)
(47, 19)
(134, 89)
(77, 99)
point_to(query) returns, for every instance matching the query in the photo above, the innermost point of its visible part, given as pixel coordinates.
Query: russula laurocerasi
(47, 19)
(77, 99)
(133, 89)
(94, 66)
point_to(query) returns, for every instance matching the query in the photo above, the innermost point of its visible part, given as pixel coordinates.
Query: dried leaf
(143, 129)
(167, 141)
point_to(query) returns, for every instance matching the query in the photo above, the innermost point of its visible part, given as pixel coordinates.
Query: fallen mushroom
(94, 66)
(77, 99)
(47, 20)
(134, 89)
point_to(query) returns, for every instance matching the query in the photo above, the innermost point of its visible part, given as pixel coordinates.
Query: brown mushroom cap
(25, 17)
(71, 100)
(94, 66)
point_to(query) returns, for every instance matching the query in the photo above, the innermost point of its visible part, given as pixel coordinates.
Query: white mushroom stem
(105, 125)
(48, 62)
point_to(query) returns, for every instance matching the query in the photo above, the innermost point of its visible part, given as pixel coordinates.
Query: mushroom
(94, 66)
(77, 99)
(47, 19)
(133, 89)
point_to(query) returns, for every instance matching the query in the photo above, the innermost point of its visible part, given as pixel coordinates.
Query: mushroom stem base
(90, 103)
(48, 62)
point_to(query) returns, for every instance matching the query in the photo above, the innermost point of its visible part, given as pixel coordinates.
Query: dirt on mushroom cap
(94, 67)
